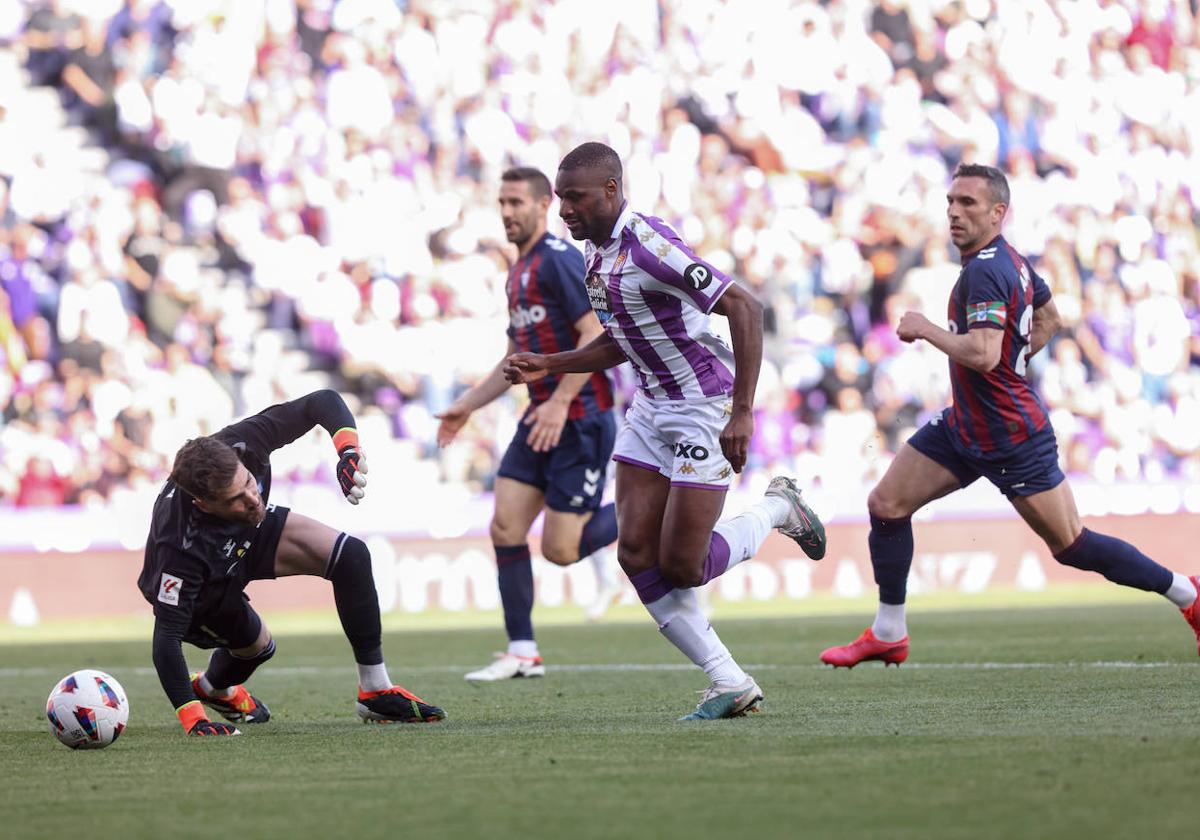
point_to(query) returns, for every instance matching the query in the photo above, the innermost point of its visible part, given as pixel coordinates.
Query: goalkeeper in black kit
(213, 531)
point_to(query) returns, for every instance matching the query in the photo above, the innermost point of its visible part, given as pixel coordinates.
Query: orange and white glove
(352, 465)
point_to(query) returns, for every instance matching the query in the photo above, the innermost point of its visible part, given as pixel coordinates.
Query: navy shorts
(232, 622)
(572, 473)
(1032, 467)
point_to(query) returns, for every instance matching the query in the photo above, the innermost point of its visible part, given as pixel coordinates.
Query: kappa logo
(724, 473)
(169, 588)
(987, 253)
(699, 275)
(686, 469)
(556, 244)
(691, 450)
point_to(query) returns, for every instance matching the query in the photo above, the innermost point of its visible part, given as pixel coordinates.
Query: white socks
(681, 621)
(526, 648)
(745, 532)
(1182, 593)
(373, 677)
(889, 623)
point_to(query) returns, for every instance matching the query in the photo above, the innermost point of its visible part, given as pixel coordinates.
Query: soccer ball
(87, 710)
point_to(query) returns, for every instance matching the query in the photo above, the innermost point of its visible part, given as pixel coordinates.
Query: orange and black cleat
(240, 708)
(395, 705)
(864, 649)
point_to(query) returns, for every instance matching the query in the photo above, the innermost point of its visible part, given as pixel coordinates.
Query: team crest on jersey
(1023, 271)
(524, 280)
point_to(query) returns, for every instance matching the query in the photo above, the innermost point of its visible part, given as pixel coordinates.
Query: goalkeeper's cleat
(509, 666)
(1192, 613)
(802, 525)
(716, 703)
(865, 648)
(395, 705)
(241, 707)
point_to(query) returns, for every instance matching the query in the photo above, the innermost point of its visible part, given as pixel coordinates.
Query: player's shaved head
(593, 156)
(539, 184)
(589, 191)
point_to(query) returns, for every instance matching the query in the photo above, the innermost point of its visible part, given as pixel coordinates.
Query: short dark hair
(538, 183)
(997, 183)
(204, 467)
(593, 156)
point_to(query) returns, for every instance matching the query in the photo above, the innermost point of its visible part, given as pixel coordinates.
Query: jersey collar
(622, 220)
(995, 243)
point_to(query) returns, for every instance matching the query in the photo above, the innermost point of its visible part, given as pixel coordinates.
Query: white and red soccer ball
(87, 710)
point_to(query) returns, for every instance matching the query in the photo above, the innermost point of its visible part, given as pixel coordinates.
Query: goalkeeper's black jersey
(188, 569)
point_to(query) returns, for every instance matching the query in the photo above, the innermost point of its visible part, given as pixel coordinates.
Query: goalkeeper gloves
(196, 722)
(352, 465)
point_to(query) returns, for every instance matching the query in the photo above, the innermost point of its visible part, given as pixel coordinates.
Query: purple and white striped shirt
(653, 296)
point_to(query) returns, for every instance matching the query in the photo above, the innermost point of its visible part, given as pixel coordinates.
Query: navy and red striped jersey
(546, 296)
(997, 289)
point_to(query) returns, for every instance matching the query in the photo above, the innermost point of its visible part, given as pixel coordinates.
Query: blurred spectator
(212, 204)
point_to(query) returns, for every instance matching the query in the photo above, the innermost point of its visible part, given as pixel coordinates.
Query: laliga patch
(700, 276)
(168, 589)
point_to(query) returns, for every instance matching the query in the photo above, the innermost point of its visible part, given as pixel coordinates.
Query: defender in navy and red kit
(213, 531)
(558, 459)
(997, 426)
(1001, 313)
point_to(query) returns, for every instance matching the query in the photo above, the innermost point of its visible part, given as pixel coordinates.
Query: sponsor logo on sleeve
(699, 275)
(169, 588)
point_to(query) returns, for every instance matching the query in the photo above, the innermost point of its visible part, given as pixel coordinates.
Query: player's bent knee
(503, 533)
(683, 575)
(262, 649)
(350, 557)
(882, 506)
(560, 554)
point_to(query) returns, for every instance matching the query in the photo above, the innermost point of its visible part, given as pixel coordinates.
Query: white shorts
(680, 440)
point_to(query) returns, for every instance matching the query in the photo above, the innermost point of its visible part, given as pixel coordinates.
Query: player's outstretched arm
(745, 316)
(601, 353)
(479, 395)
(172, 671)
(1046, 322)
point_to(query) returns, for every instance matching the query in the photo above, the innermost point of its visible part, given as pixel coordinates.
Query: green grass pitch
(1046, 722)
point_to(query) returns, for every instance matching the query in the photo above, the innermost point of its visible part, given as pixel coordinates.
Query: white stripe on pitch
(619, 667)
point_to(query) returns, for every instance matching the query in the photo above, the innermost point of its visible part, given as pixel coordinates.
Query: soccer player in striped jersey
(559, 456)
(689, 427)
(1000, 314)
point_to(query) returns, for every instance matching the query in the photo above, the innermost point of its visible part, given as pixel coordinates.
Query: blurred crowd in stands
(212, 205)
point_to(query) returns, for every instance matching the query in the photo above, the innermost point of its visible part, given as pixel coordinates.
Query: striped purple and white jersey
(653, 296)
